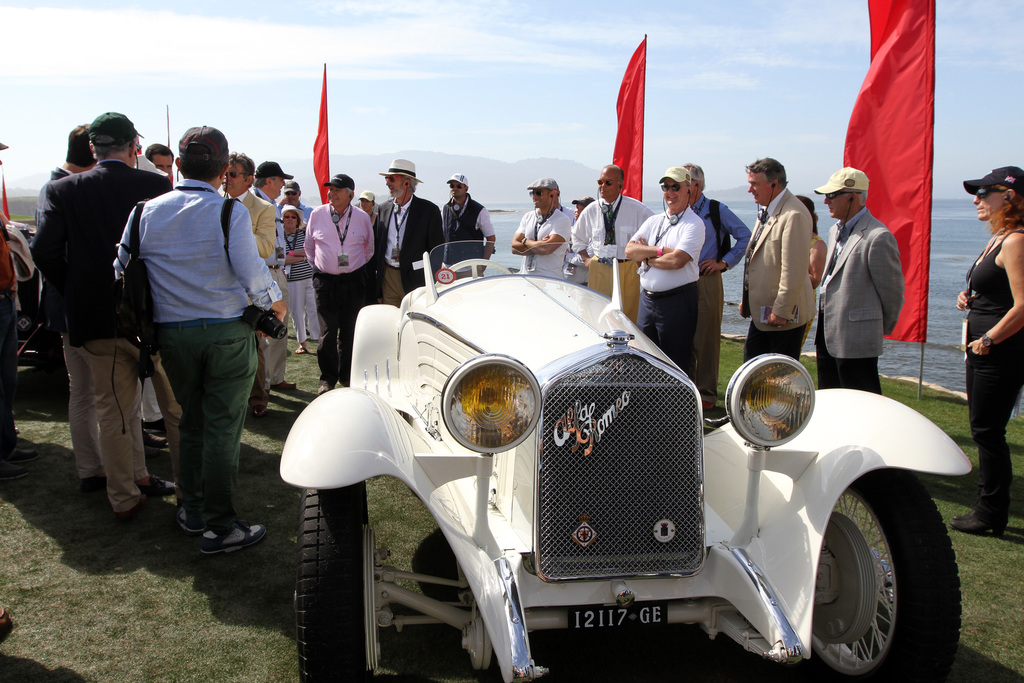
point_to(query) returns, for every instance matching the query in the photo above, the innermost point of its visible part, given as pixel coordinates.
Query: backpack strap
(133, 238)
(715, 213)
(225, 222)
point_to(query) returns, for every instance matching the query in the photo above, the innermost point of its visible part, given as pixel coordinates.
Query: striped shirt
(300, 270)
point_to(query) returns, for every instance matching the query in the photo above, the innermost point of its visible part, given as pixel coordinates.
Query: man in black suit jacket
(406, 227)
(80, 225)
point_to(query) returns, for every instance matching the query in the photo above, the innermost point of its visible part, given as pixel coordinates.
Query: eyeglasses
(986, 191)
(290, 192)
(665, 187)
(237, 174)
(455, 186)
(601, 183)
(538, 193)
(833, 195)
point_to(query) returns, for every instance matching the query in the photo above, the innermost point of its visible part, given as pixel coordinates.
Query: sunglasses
(986, 191)
(833, 195)
(237, 174)
(290, 192)
(538, 193)
(455, 186)
(665, 187)
(601, 183)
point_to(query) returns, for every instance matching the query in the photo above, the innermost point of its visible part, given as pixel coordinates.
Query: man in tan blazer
(777, 291)
(862, 289)
(237, 181)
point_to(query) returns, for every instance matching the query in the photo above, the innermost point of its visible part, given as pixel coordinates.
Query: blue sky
(727, 82)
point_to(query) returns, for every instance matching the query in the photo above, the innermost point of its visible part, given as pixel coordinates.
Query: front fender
(850, 434)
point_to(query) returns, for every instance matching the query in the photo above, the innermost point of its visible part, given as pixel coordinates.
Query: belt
(198, 322)
(391, 266)
(608, 261)
(274, 267)
(669, 292)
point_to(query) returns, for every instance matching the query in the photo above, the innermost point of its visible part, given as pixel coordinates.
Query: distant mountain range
(496, 184)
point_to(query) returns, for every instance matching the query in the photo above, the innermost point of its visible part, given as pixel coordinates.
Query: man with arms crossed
(543, 234)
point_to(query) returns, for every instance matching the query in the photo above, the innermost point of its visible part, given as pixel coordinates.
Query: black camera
(265, 322)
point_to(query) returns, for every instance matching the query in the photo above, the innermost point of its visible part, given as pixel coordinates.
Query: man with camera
(203, 263)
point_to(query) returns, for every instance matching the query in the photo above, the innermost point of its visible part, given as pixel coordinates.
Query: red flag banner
(890, 138)
(629, 141)
(321, 149)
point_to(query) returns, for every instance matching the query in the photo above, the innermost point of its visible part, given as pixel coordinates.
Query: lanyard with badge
(399, 226)
(531, 259)
(610, 215)
(336, 218)
(667, 223)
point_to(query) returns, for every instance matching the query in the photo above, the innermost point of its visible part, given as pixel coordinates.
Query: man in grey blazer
(861, 291)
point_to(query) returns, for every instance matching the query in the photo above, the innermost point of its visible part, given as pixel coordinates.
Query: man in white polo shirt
(666, 248)
(543, 234)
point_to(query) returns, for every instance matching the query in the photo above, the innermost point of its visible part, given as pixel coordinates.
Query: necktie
(609, 224)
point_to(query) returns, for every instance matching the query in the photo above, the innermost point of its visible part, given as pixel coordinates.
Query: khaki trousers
(629, 281)
(707, 340)
(115, 374)
(276, 350)
(392, 286)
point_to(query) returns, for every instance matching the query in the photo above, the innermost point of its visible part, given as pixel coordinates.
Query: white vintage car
(565, 460)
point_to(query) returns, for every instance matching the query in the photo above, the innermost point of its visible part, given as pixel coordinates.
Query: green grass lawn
(99, 600)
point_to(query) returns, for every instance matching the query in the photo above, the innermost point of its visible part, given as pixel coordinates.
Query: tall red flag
(321, 149)
(890, 138)
(629, 141)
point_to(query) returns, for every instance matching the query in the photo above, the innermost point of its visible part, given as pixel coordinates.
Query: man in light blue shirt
(721, 226)
(202, 280)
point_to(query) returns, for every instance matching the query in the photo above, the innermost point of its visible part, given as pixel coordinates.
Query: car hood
(534, 319)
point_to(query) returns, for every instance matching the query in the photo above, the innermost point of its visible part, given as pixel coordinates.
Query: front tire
(329, 589)
(887, 597)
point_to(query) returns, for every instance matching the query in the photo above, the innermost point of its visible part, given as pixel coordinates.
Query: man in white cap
(861, 291)
(543, 234)
(601, 234)
(464, 218)
(406, 227)
(666, 248)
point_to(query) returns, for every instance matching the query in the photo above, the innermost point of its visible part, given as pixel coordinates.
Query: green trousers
(210, 368)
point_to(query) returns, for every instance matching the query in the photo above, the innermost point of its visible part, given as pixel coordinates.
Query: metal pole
(920, 373)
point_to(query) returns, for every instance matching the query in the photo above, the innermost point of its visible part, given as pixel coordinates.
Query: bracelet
(661, 250)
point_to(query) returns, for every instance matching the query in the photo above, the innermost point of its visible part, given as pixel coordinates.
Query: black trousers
(786, 342)
(844, 373)
(338, 301)
(993, 382)
(670, 322)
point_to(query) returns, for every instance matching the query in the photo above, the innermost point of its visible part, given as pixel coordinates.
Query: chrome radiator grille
(620, 478)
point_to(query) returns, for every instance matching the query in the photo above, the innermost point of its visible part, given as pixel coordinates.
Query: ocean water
(957, 239)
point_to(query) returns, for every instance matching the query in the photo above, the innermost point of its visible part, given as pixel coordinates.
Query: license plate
(639, 614)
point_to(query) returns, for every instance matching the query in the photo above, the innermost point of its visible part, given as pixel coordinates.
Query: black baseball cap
(205, 143)
(342, 182)
(1010, 177)
(271, 169)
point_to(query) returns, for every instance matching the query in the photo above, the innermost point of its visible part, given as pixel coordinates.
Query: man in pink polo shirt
(339, 243)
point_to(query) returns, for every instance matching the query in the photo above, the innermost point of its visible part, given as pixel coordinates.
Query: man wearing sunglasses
(777, 291)
(861, 291)
(601, 234)
(464, 218)
(666, 248)
(543, 234)
(292, 196)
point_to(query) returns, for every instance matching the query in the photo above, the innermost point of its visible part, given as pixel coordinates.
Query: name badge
(279, 252)
(963, 336)
(343, 260)
(394, 253)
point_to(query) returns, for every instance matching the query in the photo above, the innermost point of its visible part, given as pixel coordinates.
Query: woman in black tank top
(995, 339)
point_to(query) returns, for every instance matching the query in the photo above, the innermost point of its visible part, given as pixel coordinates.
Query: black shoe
(156, 487)
(91, 484)
(153, 441)
(156, 425)
(9, 471)
(972, 524)
(22, 455)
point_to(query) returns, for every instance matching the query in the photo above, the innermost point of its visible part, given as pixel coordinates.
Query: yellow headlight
(770, 399)
(491, 403)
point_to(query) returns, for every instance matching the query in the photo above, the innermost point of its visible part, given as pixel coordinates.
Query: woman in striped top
(301, 300)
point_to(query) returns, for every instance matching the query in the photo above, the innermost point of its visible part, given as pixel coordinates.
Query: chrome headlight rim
(454, 381)
(742, 383)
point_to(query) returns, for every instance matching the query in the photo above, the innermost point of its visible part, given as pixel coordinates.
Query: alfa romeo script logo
(579, 421)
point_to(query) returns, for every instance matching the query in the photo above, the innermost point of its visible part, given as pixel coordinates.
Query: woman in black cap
(994, 299)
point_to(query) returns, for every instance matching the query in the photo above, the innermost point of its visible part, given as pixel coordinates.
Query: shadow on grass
(21, 669)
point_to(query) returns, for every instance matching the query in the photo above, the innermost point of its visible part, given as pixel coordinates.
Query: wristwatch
(986, 340)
